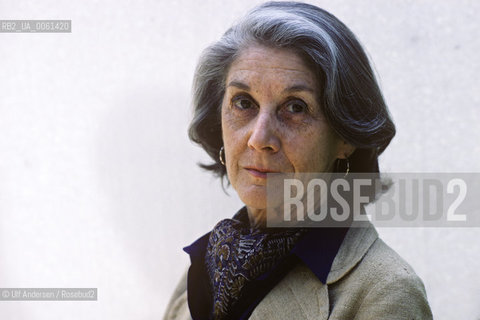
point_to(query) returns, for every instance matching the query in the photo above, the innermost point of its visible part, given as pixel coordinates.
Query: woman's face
(272, 122)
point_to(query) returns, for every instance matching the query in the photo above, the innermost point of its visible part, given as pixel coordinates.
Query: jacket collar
(317, 249)
(346, 250)
(358, 240)
(339, 252)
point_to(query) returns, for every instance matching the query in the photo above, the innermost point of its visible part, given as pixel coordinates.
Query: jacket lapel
(299, 293)
(358, 240)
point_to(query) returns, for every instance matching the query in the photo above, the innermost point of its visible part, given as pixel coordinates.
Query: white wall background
(98, 182)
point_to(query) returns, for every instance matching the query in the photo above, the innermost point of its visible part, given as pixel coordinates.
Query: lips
(259, 172)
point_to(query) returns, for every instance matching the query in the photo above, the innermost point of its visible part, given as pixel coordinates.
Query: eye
(296, 106)
(242, 103)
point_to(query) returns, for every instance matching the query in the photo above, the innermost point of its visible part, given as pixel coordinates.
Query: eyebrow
(239, 85)
(294, 88)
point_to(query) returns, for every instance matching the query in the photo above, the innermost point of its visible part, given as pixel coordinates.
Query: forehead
(260, 63)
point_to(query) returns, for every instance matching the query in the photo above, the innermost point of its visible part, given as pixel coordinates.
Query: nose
(264, 133)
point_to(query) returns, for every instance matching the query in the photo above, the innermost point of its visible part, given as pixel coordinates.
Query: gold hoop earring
(220, 155)
(348, 168)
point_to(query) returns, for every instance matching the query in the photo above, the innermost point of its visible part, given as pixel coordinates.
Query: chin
(254, 198)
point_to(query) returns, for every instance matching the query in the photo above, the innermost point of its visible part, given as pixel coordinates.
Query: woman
(289, 90)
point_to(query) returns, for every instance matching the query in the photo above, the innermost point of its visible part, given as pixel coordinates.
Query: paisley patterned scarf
(237, 254)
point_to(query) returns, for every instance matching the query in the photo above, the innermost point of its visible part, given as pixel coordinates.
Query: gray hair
(351, 99)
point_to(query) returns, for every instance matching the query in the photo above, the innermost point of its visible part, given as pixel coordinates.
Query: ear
(345, 150)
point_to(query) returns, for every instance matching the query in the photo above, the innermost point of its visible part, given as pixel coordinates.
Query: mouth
(259, 172)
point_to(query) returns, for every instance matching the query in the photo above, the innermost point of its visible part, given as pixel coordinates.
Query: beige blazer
(368, 280)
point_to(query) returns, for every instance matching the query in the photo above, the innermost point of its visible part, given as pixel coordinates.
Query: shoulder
(382, 262)
(381, 285)
(368, 280)
(364, 255)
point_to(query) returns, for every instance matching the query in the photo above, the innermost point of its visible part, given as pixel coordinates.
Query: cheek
(235, 121)
(232, 142)
(234, 131)
(313, 151)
